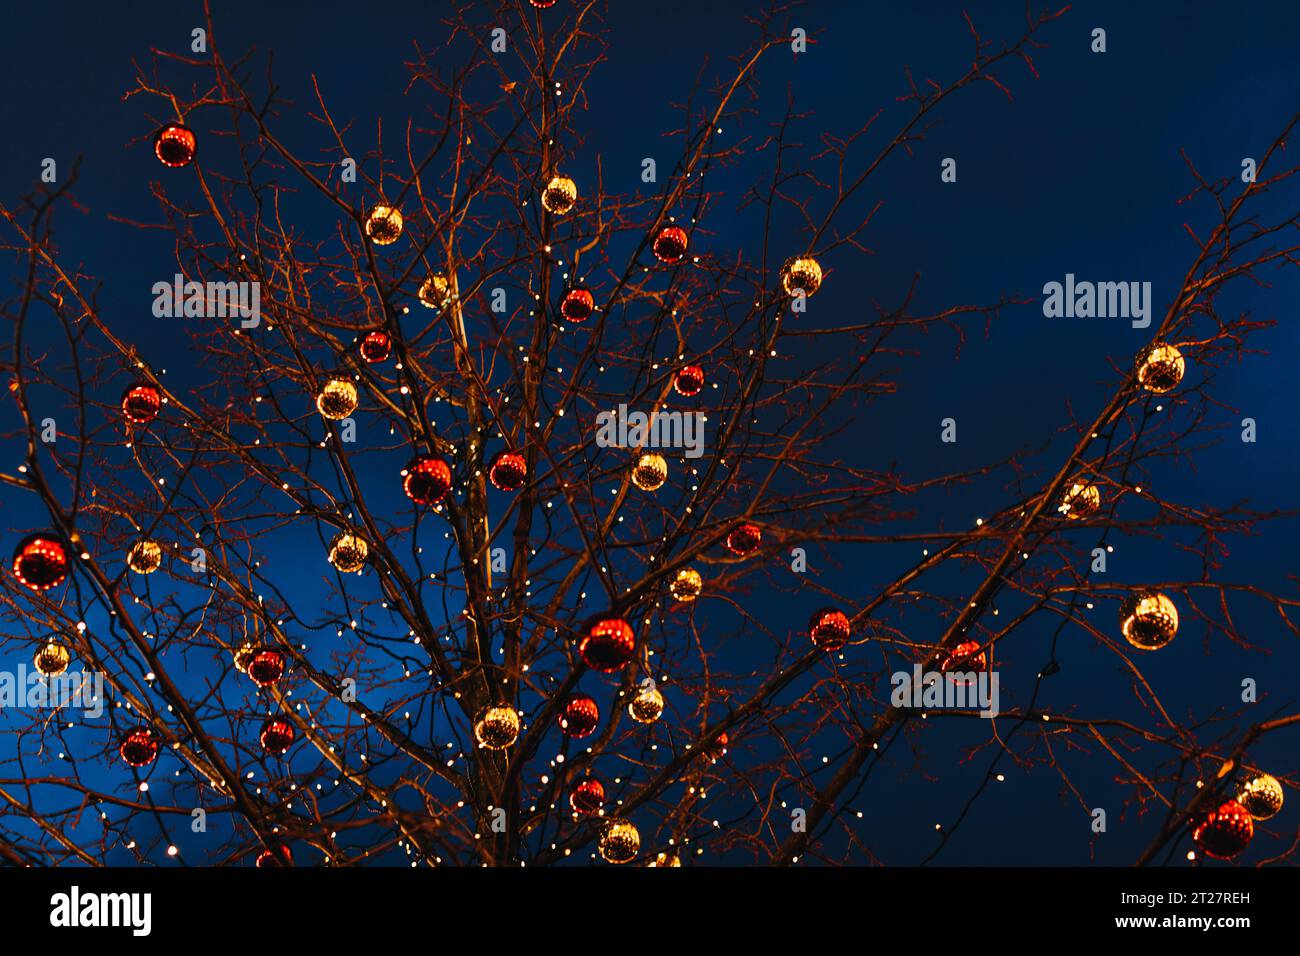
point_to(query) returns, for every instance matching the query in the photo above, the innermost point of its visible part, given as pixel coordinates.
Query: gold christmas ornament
(651, 472)
(687, 585)
(384, 225)
(646, 706)
(665, 859)
(337, 400)
(619, 841)
(435, 291)
(244, 655)
(1261, 795)
(1148, 620)
(496, 727)
(348, 552)
(801, 274)
(1160, 368)
(52, 660)
(145, 557)
(559, 195)
(1081, 500)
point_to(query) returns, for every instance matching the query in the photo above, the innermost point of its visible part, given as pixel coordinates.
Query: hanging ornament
(687, 585)
(745, 539)
(384, 225)
(140, 748)
(829, 629)
(1261, 795)
(665, 859)
(496, 727)
(650, 472)
(426, 480)
(337, 400)
(966, 657)
(577, 305)
(588, 796)
(1225, 832)
(141, 403)
(801, 275)
(619, 841)
(689, 380)
(376, 346)
(647, 705)
(579, 715)
(266, 667)
(608, 644)
(348, 552)
(244, 655)
(1160, 368)
(509, 471)
(174, 145)
(542, 4)
(718, 749)
(277, 735)
(1081, 500)
(435, 291)
(53, 657)
(41, 561)
(670, 244)
(279, 857)
(559, 196)
(1148, 620)
(145, 556)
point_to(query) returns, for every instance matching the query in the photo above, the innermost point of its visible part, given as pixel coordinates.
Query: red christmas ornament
(174, 145)
(140, 748)
(509, 471)
(718, 749)
(965, 657)
(588, 796)
(830, 629)
(689, 380)
(1224, 832)
(277, 735)
(745, 539)
(579, 716)
(266, 667)
(542, 4)
(577, 305)
(426, 480)
(376, 346)
(280, 856)
(41, 561)
(670, 244)
(608, 644)
(141, 403)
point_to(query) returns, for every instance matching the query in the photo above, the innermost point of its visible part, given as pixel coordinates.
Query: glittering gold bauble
(646, 706)
(619, 842)
(244, 655)
(348, 552)
(801, 274)
(1160, 368)
(145, 557)
(52, 659)
(687, 585)
(1224, 832)
(651, 472)
(435, 291)
(337, 400)
(559, 195)
(496, 727)
(384, 225)
(1261, 795)
(1081, 500)
(1148, 620)
(665, 859)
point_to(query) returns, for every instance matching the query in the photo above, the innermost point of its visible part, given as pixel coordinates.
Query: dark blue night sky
(1080, 172)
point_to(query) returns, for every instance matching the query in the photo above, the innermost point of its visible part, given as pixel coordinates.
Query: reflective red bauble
(141, 403)
(1224, 832)
(577, 305)
(174, 145)
(266, 667)
(426, 480)
(689, 380)
(280, 856)
(140, 748)
(509, 471)
(277, 735)
(963, 659)
(588, 796)
(670, 244)
(376, 346)
(579, 716)
(41, 561)
(830, 629)
(745, 539)
(608, 644)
